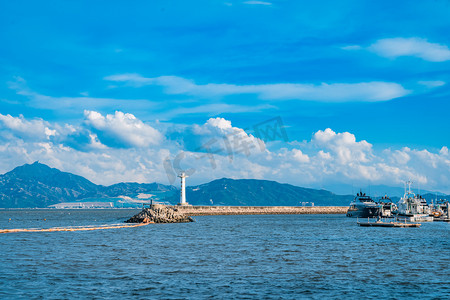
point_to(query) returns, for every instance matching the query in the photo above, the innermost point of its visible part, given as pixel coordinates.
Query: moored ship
(413, 208)
(363, 206)
(387, 206)
(440, 210)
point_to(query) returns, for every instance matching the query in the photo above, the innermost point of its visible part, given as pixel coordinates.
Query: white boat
(413, 208)
(387, 206)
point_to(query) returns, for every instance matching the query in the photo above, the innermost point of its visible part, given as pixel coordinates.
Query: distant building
(82, 205)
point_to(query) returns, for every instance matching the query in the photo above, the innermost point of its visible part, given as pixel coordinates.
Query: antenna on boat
(418, 184)
(409, 186)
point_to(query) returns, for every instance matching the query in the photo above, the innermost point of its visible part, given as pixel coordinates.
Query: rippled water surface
(271, 256)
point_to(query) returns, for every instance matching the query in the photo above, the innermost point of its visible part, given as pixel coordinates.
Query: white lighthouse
(183, 189)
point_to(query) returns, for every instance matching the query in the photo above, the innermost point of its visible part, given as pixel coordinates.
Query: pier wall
(260, 210)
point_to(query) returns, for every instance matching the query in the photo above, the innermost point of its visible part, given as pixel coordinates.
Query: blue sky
(111, 87)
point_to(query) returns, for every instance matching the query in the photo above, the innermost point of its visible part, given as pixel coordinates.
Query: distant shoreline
(229, 210)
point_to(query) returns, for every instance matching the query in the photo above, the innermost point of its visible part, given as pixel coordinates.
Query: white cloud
(220, 123)
(329, 156)
(344, 146)
(257, 3)
(34, 129)
(432, 83)
(300, 156)
(74, 104)
(217, 135)
(212, 110)
(351, 47)
(401, 157)
(334, 92)
(95, 143)
(122, 130)
(418, 47)
(324, 155)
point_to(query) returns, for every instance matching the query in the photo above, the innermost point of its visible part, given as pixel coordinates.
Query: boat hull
(363, 212)
(414, 218)
(387, 224)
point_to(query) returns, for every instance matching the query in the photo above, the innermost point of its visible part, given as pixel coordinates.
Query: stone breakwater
(160, 214)
(259, 210)
(181, 214)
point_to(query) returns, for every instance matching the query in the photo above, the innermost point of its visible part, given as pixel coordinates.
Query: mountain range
(252, 192)
(37, 186)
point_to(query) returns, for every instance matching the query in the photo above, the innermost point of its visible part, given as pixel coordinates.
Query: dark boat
(363, 207)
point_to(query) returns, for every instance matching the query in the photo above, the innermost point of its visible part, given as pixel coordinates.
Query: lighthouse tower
(183, 189)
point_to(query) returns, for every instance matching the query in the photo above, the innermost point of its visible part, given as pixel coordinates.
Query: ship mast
(409, 182)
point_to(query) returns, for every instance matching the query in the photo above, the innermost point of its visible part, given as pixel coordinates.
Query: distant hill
(252, 192)
(38, 185)
(133, 188)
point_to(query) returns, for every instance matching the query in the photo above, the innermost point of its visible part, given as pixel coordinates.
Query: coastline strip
(259, 210)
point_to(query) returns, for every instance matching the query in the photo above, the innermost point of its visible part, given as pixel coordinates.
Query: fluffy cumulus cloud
(211, 150)
(344, 145)
(122, 130)
(20, 127)
(217, 135)
(400, 157)
(299, 156)
(333, 92)
(417, 47)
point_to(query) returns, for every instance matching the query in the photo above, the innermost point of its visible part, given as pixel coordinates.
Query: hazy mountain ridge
(38, 185)
(127, 188)
(253, 192)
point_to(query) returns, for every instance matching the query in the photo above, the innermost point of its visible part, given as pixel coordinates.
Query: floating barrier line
(72, 228)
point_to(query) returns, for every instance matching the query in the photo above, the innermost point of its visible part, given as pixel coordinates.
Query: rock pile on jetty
(160, 214)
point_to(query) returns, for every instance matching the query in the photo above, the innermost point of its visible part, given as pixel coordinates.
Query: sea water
(240, 257)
